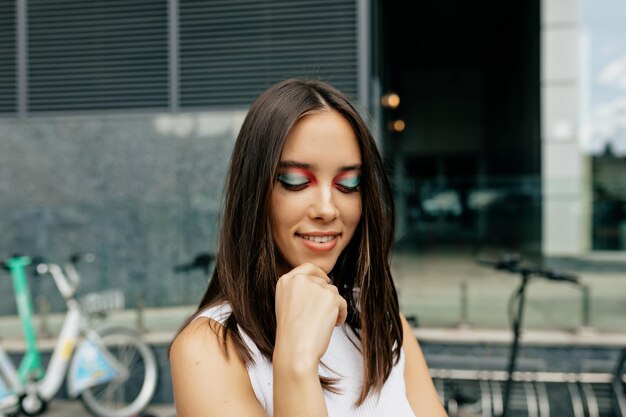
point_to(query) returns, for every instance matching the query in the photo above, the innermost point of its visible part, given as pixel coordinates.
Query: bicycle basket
(102, 301)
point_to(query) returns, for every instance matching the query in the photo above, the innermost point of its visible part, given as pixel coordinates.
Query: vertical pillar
(21, 37)
(565, 169)
(365, 46)
(173, 62)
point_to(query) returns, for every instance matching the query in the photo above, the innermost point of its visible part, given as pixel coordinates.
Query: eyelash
(298, 187)
(347, 190)
(292, 187)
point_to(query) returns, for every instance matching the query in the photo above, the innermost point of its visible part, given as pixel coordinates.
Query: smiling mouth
(318, 239)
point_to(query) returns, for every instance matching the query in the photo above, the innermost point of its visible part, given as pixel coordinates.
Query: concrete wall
(140, 191)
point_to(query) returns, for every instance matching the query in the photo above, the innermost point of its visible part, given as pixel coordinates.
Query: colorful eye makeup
(348, 182)
(296, 179)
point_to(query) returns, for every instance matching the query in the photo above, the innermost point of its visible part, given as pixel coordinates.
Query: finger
(308, 279)
(343, 311)
(315, 270)
(318, 280)
(311, 269)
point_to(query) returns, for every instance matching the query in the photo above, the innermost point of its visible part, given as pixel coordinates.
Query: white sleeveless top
(341, 358)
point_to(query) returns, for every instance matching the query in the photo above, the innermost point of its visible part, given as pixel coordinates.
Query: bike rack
(619, 396)
(577, 401)
(542, 398)
(498, 401)
(485, 399)
(588, 394)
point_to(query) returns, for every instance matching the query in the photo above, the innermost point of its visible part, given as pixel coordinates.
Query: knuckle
(307, 266)
(301, 279)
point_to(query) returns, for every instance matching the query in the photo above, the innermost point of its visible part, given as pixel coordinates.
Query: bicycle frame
(46, 382)
(30, 366)
(10, 384)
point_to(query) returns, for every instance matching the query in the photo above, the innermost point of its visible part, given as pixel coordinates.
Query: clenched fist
(308, 307)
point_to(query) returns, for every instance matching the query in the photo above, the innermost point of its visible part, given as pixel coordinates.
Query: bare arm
(420, 389)
(206, 383)
(308, 307)
(297, 389)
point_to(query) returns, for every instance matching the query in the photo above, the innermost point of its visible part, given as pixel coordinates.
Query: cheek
(352, 213)
(284, 214)
(275, 219)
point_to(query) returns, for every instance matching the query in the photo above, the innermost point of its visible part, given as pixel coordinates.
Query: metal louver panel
(8, 58)
(97, 54)
(230, 50)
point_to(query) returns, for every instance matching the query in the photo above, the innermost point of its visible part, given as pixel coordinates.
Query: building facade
(117, 119)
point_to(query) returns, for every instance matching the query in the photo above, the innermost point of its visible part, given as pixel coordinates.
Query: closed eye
(349, 184)
(293, 182)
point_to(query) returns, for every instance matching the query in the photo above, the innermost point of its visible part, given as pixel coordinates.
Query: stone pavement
(445, 290)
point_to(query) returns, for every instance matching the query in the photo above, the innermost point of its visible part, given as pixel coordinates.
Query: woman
(301, 317)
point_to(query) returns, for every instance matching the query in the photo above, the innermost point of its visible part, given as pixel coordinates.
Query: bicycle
(512, 263)
(111, 369)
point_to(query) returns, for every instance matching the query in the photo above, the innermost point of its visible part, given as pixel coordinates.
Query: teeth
(318, 239)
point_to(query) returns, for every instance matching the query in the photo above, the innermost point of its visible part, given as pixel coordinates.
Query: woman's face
(316, 199)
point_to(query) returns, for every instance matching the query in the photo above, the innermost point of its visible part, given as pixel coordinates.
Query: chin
(326, 266)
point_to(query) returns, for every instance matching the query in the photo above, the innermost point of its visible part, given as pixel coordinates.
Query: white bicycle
(112, 370)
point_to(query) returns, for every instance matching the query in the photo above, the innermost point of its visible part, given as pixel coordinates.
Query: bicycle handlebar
(201, 261)
(27, 261)
(78, 257)
(512, 263)
(560, 276)
(67, 278)
(70, 266)
(506, 262)
(67, 287)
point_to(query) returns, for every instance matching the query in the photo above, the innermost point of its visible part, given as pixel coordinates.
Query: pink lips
(316, 246)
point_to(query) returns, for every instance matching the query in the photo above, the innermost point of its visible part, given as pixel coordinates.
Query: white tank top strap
(219, 313)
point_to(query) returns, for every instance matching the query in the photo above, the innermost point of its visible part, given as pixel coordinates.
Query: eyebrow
(296, 164)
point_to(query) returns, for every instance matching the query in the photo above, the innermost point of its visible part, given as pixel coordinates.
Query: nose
(323, 206)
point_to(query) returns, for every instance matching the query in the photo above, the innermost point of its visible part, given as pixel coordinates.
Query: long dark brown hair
(245, 275)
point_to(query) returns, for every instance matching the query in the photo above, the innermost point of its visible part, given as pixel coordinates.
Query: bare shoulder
(201, 336)
(208, 377)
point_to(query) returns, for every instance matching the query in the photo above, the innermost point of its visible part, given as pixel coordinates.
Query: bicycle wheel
(131, 396)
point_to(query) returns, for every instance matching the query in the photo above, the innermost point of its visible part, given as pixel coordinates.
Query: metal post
(43, 308)
(463, 320)
(139, 308)
(586, 306)
(517, 325)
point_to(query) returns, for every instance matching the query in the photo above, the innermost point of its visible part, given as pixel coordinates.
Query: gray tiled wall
(141, 192)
